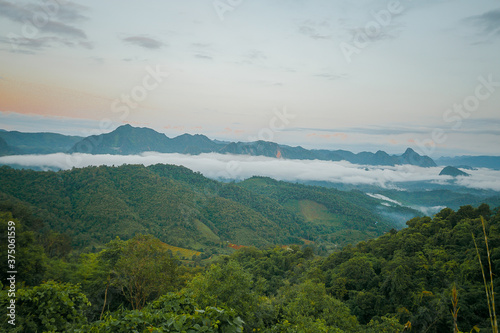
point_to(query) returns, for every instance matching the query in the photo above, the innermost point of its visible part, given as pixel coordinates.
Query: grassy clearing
(312, 211)
(186, 253)
(205, 231)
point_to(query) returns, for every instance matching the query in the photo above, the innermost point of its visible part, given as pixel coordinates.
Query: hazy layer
(219, 166)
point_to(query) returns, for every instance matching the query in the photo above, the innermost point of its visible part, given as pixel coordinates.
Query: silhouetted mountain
(411, 157)
(127, 140)
(194, 144)
(379, 158)
(258, 148)
(491, 162)
(452, 171)
(38, 143)
(124, 140)
(5, 149)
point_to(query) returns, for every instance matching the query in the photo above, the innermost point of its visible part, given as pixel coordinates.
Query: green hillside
(182, 208)
(427, 277)
(335, 217)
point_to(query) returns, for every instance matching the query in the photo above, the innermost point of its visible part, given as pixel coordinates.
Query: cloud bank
(239, 167)
(145, 42)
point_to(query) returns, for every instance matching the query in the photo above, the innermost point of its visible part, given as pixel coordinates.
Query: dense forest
(183, 208)
(164, 249)
(399, 280)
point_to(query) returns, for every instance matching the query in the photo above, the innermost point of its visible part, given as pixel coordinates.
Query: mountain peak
(410, 151)
(452, 171)
(124, 127)
(412, 157)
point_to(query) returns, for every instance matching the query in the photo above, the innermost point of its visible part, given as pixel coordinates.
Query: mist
(239, 167)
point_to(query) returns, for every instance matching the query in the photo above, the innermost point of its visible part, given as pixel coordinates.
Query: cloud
(68, 12)
(332, 76)
(253, 57)
(481, 179)
(386, 33)
(145, 42)
(383, 197)
(13, 121)
(470, 126)
(238, 167)
(201, 45)
(63, 29)
(488, 22)
(28, 45)
(13, 11)
(312, 32)
(372, 130)
(46, 26)
(72, 12)
(340, 135)
(316, 29)
(203, 56)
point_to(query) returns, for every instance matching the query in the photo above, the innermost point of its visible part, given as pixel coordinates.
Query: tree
(52, 306)
(30, 258)
(227, 285)
(384, 325)
(305, 303)
(144, 270)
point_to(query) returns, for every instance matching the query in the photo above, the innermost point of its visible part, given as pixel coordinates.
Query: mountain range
(15, 142)
(467, 162)
(126, 140)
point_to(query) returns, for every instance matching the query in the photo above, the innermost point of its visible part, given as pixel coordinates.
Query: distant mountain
(379, 158)
(491, 162)
(411, 157)
(194, 144)
(133, 140)
(258, 148)
(38, 143)
(126, 140)
(452, 171)
(5, 149)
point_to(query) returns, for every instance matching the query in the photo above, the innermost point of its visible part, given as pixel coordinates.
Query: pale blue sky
(359, 75)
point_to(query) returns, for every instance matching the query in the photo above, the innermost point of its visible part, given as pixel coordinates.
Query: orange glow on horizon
(47, 100)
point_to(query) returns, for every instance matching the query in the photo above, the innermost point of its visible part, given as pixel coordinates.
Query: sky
(358, 75)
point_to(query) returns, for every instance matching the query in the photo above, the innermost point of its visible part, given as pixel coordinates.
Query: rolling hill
(183, 208)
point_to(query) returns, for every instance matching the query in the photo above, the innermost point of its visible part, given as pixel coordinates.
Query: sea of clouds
(238, 167)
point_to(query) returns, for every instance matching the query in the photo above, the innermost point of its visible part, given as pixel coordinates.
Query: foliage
(386, 284)
(144, 271)
(170, 313)
(50, 306)
(30, 258)
(409, 274)
(228, 285)
(88, 207)
(307, 302)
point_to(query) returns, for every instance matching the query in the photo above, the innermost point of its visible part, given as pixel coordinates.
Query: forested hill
(426, 276)
(183, 208)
